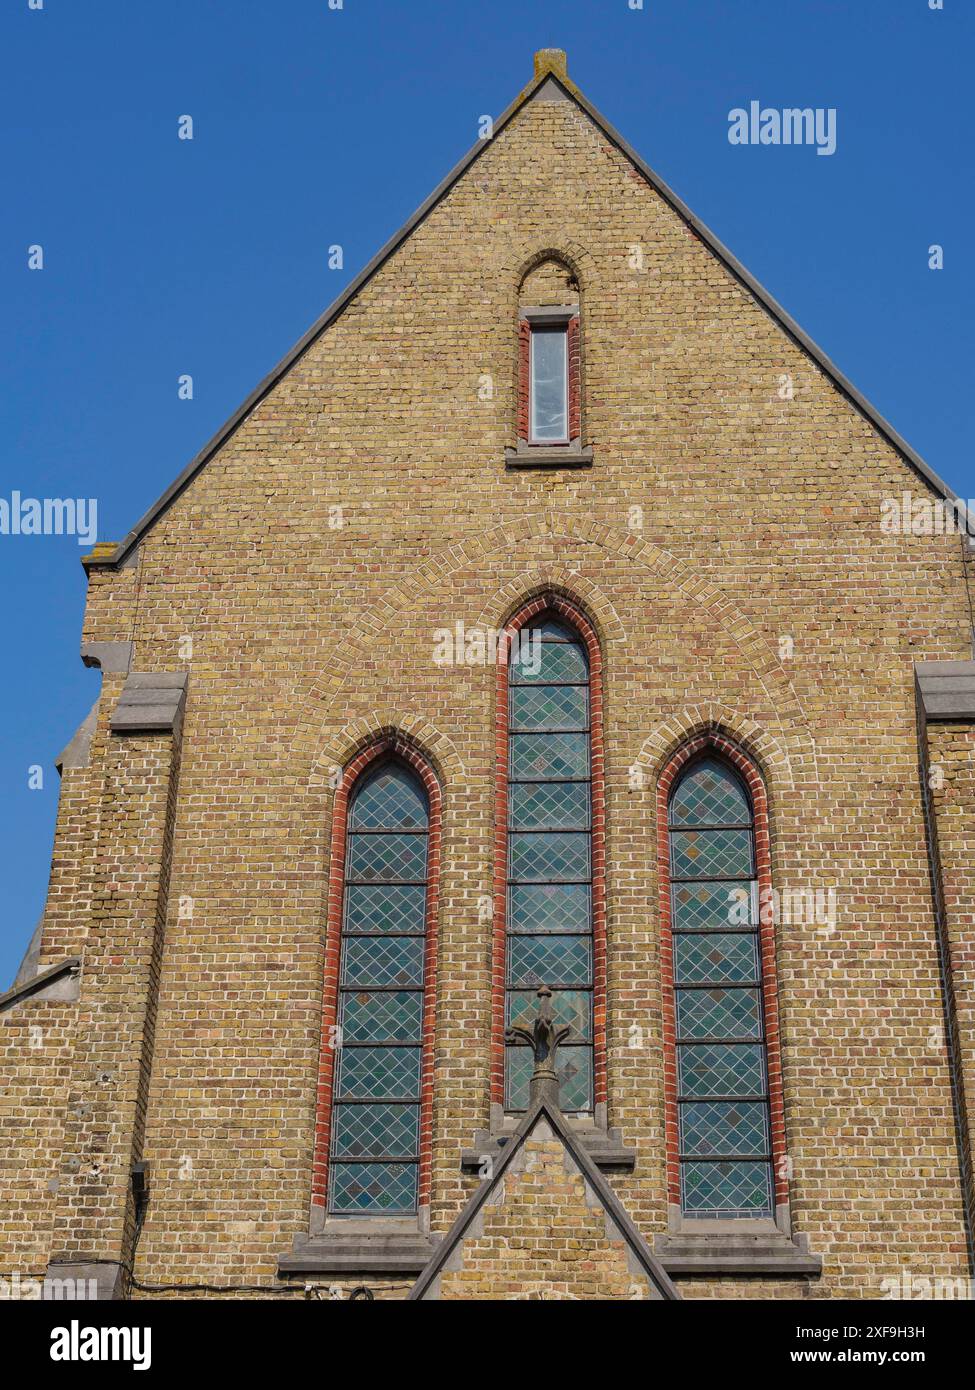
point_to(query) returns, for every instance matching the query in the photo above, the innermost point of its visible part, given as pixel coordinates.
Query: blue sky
(315, 126)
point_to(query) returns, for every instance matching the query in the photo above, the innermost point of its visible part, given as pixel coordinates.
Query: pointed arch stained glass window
(375, 1131)
(549, 922)
(722, 1076)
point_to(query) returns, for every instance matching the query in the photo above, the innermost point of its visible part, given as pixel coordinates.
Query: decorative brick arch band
(729, 752)
(573, 615)
(398, 748)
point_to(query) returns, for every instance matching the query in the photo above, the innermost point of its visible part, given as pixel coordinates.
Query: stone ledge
(548, 456)
(150, 703)
(382, 1253)
(946, 689)
(736, 1254)
(59, 982)
(604, 1147)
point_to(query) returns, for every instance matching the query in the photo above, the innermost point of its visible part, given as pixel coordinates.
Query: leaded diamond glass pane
(727, 1189)
(392, 800)
(550, 806)
(719, 1013)
(700, 960)
(549, 960)
(385, 907)
(711, 853)
(552, 858)
(535, 662)
(704, 906)
(558, 907)
(385, 1187)
(574, 1068)
(570, 1006)
(710, 794)
(549, 707)
(376, 1131)
(382, 960)
(379, 1071)
(724, 1127)
(373, 858)
(726, 1069)
(540, 757)
(389, 1016)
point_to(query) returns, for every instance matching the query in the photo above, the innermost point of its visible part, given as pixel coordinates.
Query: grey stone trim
(548, 456)
(380, 1251)
(30, 964)
(102, 1280)
(644, 1261)
(76, 753)
(113, 657)
(946, 689)
(604, 1146)
(549, 313)
(57, 982)
(735, 1246)
(150, 703)
(570, 92)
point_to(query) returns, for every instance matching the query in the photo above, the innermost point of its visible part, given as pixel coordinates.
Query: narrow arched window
(549, 851)
(375, 1129)
(724, 1142)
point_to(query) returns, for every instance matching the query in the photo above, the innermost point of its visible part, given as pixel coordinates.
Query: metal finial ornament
(544, 1038)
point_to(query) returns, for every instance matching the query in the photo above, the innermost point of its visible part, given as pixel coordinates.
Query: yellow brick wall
(727, 545)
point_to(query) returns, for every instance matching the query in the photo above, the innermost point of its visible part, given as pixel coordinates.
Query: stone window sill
(739, 1247)
(366, 1245)
(603, 1145)
(548, 455)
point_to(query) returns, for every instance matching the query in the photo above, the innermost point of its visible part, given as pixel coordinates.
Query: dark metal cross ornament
(544, 1038)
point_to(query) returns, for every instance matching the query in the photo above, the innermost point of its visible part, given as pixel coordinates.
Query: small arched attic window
(549, 369)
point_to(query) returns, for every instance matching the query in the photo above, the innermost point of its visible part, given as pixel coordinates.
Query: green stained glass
(718, 1128)
(376, 1131)
(535, 707)
(550, 806)
(711, 853)
(710, 794)
(726, 1189)
(549, 960)
(381, 1016)
(385, 907)
(716, 959)
(369, 1187)
(549, 858)
(573, 1066)
(719, 1013)
(557, 907)
(390, 800)
(379, 1071)
(726, 1069)
(379, 960)
(538, 663)
(711, 906)
(377, 857)
(570, 1006)
(542, 757)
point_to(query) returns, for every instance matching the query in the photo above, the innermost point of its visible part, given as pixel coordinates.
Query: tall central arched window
(724, 1130)
(375, 1121)
(549, 888)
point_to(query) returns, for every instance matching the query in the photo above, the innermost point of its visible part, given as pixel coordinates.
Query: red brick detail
(524, 375)
(723, 748)
(398, 748)
(575, 379)
(550, 603)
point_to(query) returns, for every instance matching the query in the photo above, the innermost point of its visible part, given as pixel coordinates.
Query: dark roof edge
(770, 304)
(611, 1205)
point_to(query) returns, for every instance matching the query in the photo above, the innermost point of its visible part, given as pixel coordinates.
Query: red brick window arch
(723, 1074)
(373, 1135)
(549, 888)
